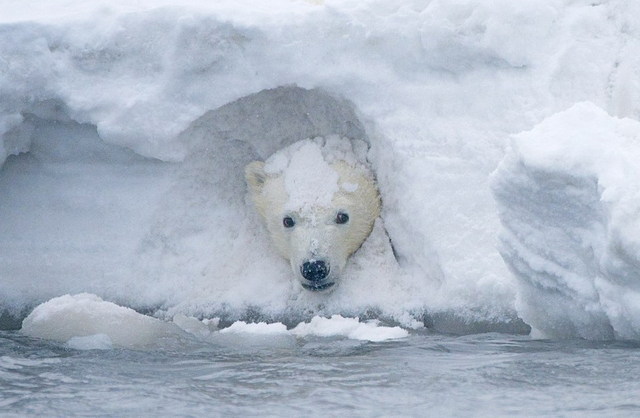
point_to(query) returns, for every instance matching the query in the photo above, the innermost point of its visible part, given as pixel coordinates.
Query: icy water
(422, 375)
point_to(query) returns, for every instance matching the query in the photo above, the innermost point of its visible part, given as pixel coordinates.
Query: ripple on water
(484, 374)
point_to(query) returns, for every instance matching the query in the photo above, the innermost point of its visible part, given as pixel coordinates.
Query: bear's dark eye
(342, 218)
(288, 222)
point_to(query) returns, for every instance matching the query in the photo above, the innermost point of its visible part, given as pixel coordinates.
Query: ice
(85, 321)
(125, 126)
(335, 326)
(569, 196)
(91, 342)
(194, 326)
(348, 327)
(260, 328)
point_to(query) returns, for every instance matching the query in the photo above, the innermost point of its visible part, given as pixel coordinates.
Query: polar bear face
(315, 230)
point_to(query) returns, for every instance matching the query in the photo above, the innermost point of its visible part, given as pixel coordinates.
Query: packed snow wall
(178, 236)
(569, 197)
(108, 186)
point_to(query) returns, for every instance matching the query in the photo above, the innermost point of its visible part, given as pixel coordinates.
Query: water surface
(424, 374)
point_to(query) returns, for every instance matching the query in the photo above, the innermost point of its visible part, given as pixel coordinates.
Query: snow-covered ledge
(569, 201)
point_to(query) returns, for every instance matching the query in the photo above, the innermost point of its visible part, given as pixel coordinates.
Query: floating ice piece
(86, 321)
(336, 326)
(260, 328)
(348, 327)
(91, 342)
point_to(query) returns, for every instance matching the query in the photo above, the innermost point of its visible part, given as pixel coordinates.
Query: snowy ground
(125, 127)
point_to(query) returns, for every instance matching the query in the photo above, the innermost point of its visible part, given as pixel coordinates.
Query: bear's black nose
(315, 270)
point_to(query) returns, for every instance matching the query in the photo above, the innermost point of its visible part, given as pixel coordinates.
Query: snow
(307, 191)
(349, 327)
(335, 326)
(125, 127)
(569, 196)
(91, 342)
(305, 166)
(260, 328)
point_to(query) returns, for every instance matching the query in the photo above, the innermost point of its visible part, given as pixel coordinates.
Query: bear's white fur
(312, 186)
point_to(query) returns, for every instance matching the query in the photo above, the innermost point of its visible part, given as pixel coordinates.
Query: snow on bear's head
(319, 204)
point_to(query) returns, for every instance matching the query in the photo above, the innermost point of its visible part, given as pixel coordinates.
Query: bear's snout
(314, 270)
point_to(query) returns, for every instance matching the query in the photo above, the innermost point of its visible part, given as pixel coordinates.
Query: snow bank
(569, 196)
(124, 128)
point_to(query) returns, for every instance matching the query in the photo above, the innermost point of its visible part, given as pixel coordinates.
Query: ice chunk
(569, 201)
(86, 321)
(348, 327)
(335, 326)
(91, 342)
(195, 327)
(260, 328)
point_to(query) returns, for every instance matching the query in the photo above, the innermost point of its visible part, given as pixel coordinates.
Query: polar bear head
(318, 209)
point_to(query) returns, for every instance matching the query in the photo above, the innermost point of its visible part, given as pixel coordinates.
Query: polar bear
(319, 204)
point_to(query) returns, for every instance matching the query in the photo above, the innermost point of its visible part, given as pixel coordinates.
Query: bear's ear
(255, 176)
